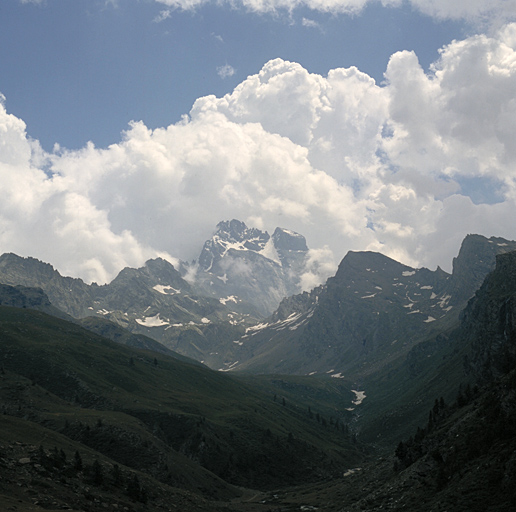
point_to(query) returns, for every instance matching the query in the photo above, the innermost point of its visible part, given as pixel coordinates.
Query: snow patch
(359, 397)
(338, 375)
(257, 327)
(224, 278)
(152, 321)
(291, 319)
(443, 303)
(238, 246)
(269, 252)
(205, 320)
(427, 287)
(165, 290)
(291, 233)
(229, 367)
(231, 298)
(349, 472)
(369, 296)
(429, 319)
(408, 273)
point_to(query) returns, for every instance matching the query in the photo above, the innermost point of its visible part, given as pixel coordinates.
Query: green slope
(179, 423)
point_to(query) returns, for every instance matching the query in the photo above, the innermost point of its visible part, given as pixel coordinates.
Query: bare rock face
(249, 270)
(374, 309)
(153, 301)
(23, 297)
(476, 258)
(72, 296)
(489, 322)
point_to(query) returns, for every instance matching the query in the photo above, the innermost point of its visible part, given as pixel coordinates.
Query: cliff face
(66, 293)
(250, 270)
(373, 310)
(489, 322)
(476, 258)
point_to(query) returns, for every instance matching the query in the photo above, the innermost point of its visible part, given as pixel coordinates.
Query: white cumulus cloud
(477, 11)
(347, 162)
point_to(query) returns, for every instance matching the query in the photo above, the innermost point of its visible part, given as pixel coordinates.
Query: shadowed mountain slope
(180, 424)
(461, 455)
(154, 301)
(373, 311)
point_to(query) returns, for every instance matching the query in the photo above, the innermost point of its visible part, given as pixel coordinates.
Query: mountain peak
(287, 240)
(368, 260)
(159, 265)
(249, 265)
(232, 234)
(476, 258)
(11, 260)
(236, 231)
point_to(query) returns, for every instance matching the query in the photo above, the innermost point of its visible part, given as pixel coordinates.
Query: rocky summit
(248, 270)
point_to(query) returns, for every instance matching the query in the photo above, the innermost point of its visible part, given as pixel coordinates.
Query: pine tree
(97, 473)
(77, 461)
(133, 488)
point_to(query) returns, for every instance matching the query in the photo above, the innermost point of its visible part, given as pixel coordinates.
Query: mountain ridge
(453, 378)
(372, 310)
(153, 300)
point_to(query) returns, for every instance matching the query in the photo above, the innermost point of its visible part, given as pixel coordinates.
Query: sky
(130, 128)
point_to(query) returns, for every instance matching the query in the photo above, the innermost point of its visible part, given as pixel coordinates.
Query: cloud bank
(493, 11)
(348, 163)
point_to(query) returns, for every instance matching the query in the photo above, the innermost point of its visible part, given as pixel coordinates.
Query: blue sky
(130, 128)
(80, 70)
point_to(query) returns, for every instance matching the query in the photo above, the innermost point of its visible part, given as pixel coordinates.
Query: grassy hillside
(175, 423)
(400, 395)
(465, 462)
